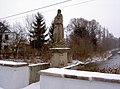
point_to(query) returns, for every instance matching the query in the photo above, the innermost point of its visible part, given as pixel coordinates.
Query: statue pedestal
(59, 57)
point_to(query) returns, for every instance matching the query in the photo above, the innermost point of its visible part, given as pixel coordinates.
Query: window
(6, 37)
(0, 37)
(6, 47)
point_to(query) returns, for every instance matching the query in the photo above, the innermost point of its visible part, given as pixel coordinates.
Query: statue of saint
(58, 34)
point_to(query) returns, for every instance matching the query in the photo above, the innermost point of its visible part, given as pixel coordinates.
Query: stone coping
(81, 75)
(39, 64)
(59, 50)
(12, 64)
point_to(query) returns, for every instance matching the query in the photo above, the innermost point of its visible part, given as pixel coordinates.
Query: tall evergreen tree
(38, 33)
(51, 30)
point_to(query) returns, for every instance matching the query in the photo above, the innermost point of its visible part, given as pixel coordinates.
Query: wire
(35, 9)
(69, 5)
(47, 7)
(78, 3)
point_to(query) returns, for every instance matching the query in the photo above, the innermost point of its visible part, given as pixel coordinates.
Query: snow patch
(73, 64)
(33, 86)
(99, 58)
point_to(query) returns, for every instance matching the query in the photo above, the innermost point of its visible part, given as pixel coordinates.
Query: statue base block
(59, 57)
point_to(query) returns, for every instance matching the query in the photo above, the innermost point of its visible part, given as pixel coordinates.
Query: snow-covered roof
(12, 64)
(83, 75)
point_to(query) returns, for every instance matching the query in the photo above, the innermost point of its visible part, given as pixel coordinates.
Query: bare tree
(89, 38)
(79, 39)
(29, 19)
(20, 32)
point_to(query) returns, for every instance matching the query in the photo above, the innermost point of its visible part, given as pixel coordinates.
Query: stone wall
(34, 69)
(73, 79)
(13, 75)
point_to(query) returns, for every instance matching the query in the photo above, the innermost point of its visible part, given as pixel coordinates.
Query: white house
(8, 38)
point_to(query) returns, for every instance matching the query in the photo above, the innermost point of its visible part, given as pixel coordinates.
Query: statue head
(59, 11)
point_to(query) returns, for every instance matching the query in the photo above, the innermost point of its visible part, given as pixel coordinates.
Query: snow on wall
(1, 88)
(2, 62)
(13, 77)
(55, 78)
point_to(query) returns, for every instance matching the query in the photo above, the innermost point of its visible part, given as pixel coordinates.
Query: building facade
(8, 38)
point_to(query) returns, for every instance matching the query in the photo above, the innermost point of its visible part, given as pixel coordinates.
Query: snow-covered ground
(73, 64)
(113, 63)
(89, 60)
(1, 88)
(33, 86)
(99, 58)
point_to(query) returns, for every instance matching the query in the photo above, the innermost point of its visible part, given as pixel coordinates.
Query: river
(113, 62)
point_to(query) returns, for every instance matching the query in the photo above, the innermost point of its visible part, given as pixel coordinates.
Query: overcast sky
(106, 12)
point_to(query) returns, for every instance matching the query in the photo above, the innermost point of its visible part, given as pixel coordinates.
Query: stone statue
(59, 50)
(58, 34)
